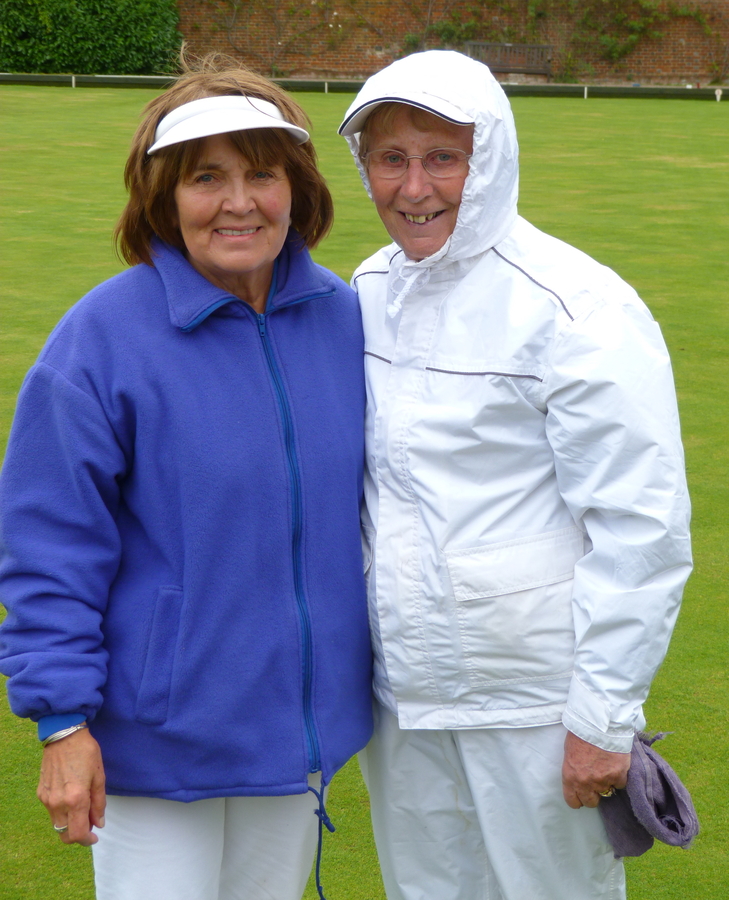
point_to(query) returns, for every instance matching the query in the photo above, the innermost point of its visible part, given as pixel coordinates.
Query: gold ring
(608, 793)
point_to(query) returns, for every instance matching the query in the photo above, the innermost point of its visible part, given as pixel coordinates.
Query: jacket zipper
(296, 521)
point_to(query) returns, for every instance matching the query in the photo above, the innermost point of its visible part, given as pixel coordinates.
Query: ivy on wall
(593, 29)
(615, 27)
(126, 37)
(262, 31)
(270, 34)
(500, 21)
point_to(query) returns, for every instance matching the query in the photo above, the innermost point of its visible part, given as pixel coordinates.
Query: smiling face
(418, 210)
(234, 218)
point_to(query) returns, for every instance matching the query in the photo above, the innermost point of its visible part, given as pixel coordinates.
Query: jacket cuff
(49, 725)
(589, 717)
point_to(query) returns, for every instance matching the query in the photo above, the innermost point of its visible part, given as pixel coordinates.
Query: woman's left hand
(588, 771)
(72, 787)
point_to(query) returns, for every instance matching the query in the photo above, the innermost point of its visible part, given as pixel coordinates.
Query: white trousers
(479, 815)
(232, 848)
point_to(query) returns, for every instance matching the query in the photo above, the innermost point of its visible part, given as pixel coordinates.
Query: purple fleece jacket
(180, 523)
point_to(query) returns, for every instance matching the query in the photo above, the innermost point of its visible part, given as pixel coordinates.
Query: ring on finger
(607, 793)
(60, 829)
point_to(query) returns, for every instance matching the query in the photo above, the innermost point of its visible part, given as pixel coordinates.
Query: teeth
(234, 231)
(420, 220)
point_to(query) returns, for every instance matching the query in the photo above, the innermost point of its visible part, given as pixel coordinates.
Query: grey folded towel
(653, 804)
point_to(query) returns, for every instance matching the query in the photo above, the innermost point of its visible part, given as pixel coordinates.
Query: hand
(587, 770)
(71, 787)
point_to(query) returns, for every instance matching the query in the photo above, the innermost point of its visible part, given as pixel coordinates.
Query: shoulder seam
(534, 280)
(369, 272)
(377, 271)
(42, 363)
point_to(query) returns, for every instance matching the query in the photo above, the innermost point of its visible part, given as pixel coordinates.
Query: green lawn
(642, 185)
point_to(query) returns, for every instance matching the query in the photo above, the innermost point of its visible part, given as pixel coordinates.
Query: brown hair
(151, 180)
(383, 117)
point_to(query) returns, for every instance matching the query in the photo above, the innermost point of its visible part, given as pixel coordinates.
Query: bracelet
(63, 733)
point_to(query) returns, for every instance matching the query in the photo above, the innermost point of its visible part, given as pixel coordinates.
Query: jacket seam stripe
(378, 271)
(373, 272)
(453, 372)
(534, 280)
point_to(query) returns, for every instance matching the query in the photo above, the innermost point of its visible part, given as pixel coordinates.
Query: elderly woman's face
(419, 210)
(234, 219)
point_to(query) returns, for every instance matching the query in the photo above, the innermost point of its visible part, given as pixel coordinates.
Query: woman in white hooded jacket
(526, 508)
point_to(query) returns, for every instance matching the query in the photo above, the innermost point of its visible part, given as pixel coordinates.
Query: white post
(585, 92)
(326, 87)
(73, 82)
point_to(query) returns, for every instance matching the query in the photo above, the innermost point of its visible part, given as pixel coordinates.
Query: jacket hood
(463, 90)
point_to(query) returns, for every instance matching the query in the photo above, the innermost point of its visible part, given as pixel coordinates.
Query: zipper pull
(261, 324)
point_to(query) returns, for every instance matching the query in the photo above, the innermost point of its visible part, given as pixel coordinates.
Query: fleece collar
(192, 298)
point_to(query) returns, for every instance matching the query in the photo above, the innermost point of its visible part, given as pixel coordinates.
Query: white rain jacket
(527, 514)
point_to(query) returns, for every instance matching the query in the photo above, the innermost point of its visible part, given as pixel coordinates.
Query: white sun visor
(221, 115)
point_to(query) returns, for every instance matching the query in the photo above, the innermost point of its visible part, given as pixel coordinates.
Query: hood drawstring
(324, 819)
(418, 279)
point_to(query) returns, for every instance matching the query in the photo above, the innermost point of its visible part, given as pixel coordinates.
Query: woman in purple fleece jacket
(179, 507)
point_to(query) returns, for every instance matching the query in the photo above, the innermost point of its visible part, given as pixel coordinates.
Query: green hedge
(88, 37)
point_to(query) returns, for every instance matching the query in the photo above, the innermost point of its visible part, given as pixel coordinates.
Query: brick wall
(354, 38)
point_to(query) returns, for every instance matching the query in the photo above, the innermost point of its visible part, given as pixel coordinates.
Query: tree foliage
(123, 37)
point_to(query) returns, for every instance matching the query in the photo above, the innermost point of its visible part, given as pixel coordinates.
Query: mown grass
(642, 185)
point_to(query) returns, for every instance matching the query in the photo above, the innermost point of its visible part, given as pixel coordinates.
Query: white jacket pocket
(513, 604)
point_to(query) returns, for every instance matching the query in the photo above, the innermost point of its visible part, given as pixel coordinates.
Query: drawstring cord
(415, 281)
(324, 819)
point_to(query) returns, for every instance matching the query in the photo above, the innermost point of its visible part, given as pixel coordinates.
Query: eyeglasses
(443, 162)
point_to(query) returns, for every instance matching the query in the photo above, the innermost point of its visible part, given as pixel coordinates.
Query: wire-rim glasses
(443, 162)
